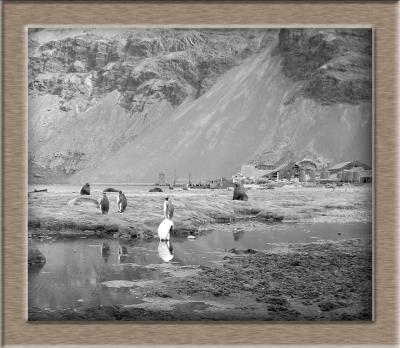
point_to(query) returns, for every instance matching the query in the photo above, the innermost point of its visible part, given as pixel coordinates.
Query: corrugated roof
(277, 169)
(306, 160)
(340, 165)
(283, 165)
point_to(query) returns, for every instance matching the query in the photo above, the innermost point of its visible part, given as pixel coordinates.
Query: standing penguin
(122, 202)
(166, 251)
(164, 229)
(104, 204)
(168, 208)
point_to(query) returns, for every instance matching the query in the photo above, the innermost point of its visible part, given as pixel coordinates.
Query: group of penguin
(165, 227)
(104, 204)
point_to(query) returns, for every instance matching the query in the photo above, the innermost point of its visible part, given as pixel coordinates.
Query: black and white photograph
(200, 173)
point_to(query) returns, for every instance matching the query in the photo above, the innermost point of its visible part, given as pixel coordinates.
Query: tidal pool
(85, 272)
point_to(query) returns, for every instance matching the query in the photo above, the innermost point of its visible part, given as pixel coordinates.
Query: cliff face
(122, 105)
(335, 64)
(157, 64)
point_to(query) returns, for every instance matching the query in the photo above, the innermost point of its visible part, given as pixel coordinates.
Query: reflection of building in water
(165, 251)
(105, 251)
(237, 235)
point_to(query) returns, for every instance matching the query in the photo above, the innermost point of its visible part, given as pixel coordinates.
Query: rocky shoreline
(318, 281)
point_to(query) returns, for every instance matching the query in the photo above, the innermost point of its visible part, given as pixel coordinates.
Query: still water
(86, 272)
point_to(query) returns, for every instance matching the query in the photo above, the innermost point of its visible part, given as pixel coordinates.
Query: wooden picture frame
(381, 15)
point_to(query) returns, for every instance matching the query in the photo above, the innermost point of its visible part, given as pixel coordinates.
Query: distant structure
(215, 184)
(351, 165)
(238, 177)
(278, 172)
(254, 172)
(352, 171)
(304, 170)
(161, 179)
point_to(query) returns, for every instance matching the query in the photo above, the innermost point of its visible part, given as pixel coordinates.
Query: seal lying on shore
(122, 202)
(85, 190)
(80, 200)
(155, 189)
(239, 193)
(111, 189)
(103, 205)
(165, 251)
(168, 208)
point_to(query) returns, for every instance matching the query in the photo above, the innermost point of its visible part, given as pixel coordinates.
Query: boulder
(79, 66)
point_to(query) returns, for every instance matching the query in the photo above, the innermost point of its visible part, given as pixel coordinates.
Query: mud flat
(317, 281)
(50, 214)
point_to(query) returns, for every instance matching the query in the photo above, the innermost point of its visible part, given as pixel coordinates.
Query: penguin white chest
(164, 229)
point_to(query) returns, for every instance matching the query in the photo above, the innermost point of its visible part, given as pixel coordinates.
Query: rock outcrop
(335, 65)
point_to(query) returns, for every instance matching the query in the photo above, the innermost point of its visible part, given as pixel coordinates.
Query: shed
(350, 165)
(304, 170)
(366, 176)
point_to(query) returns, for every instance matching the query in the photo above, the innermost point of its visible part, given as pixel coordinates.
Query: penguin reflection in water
(165, 250)
(122, 253)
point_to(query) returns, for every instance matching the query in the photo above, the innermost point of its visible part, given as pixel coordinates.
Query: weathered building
(304, 170)
(351, 165)
(253, 172)
(352, 171)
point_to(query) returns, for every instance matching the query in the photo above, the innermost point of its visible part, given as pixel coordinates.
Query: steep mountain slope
(242, 115)
(126, 104)
(112, 84)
